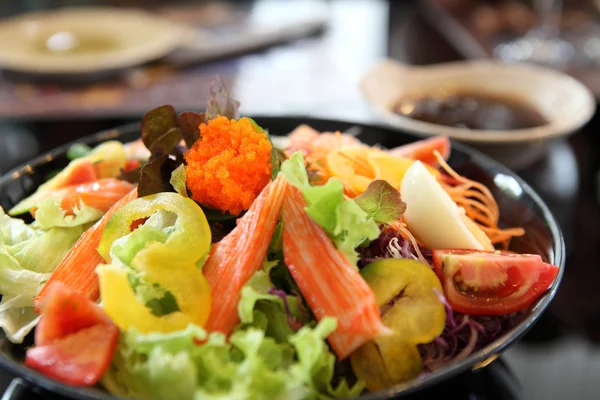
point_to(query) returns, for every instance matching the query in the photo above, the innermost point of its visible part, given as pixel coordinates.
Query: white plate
(86, 40)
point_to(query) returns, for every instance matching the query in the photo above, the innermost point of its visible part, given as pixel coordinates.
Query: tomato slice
(79, 359)
(491, 282)
(65, 312)
(422, 150)
(74, 340)
(131, 164)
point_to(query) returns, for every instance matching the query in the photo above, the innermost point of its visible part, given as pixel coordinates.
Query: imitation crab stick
(100, 194)
(78, 269)
(329, 282)
(240, 254)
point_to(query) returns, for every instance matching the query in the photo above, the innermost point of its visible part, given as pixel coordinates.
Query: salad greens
(251, 366)
(78, 150)
(259, 307)
(382, 202)
(50, 214)
(178, 180)
(28, 255)
(162, 133)
(343, 219)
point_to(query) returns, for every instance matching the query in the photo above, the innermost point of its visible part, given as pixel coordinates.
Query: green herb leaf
(189, 123)
(347, 224)
(277, 156)
(78, 150)
(382, 202)
(178, 180)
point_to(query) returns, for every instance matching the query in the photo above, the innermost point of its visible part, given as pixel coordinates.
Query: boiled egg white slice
(433, 218)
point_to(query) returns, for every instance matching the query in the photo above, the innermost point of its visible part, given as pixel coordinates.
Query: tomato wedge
(80, 358)
(65, 312)
(74, 340)
(491, 283)
(422, 150)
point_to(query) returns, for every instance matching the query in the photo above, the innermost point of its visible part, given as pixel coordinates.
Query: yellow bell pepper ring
(172, 265)
(185, 282)
(188, 243)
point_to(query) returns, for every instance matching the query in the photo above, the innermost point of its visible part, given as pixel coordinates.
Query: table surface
(560, 357)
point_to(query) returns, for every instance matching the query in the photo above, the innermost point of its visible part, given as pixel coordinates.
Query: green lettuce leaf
(382, 202)
(50, 214)
(249, 366)
(260, 309)
(28, 256)
(345, 222)
(156, 229)
(178, 180)
(78, 150)
(17, 317)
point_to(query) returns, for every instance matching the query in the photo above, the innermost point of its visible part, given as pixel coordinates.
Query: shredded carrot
(479, 204)
(230, 166)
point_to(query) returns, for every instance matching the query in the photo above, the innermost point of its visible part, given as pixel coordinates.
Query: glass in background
(566, 35)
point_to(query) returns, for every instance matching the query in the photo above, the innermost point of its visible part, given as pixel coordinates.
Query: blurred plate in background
(86, 40)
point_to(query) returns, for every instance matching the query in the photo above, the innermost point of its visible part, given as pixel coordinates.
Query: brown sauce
(473, 110)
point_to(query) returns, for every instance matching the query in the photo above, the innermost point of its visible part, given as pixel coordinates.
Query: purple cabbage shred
(292, 321)
(390, 244)
(463, 335)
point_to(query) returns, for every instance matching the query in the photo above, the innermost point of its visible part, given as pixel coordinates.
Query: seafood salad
(209, 260)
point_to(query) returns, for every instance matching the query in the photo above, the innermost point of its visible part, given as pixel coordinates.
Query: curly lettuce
(28, 255)
(248, 366)
(346, 223)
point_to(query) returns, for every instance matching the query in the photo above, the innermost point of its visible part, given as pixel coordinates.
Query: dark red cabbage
(463, 335)
(379, 248)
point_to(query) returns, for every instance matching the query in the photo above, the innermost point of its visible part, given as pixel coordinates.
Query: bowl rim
(477, 360)
(554, 129)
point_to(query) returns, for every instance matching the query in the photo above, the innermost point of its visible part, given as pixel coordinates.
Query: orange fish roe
(229, 166)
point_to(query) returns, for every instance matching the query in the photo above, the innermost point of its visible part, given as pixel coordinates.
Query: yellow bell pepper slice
(189, 242)
(173, 265)
(351, 166)
(405, 292)
(185, 282)
(392, 169)
(358, 167)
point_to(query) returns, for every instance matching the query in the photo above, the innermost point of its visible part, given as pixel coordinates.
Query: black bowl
(519, 206)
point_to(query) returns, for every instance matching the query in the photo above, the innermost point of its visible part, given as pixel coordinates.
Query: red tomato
(65, 312)
(423, 150)
(77, 359)
(85, 171)
(131, 164)
(491, 283)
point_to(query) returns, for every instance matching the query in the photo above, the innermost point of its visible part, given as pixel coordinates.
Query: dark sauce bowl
(519, 206)
(565, 103)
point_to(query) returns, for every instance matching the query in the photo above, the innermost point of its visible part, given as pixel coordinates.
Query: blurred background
(307, 58)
